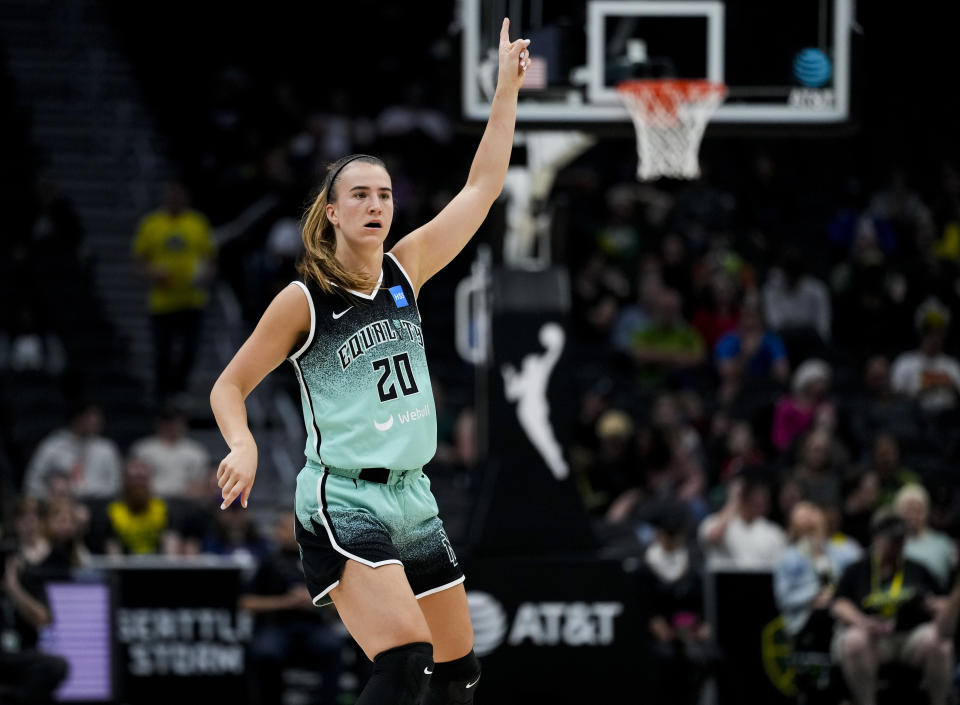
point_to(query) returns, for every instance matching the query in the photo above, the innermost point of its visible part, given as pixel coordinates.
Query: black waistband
(378, 475)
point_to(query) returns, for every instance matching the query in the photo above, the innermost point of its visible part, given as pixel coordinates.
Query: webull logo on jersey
(374, 334)
(414, 414)
(541, 623)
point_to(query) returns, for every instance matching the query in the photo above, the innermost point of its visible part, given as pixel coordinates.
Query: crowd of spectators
(82, 498)
(779, 396)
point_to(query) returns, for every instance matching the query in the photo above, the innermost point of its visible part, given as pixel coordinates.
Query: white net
(670, 117)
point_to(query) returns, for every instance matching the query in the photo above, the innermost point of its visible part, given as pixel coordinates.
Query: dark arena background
(675, 416)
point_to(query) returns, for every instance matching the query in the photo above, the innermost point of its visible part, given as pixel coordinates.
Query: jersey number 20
(401, 364)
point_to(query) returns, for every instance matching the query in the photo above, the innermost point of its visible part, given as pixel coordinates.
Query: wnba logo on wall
(541, 623)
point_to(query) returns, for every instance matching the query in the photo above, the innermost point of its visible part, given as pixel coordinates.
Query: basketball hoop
(670, 116)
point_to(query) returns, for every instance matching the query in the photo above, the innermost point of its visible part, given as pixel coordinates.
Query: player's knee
(400, 674)
(454, 682)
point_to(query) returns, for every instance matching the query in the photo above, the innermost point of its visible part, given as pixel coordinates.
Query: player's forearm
(229, 409)
(489, 168)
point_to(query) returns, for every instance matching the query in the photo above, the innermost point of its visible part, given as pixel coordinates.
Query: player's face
(363, 210)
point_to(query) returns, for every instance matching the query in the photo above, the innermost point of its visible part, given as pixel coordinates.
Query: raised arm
(284, 324)
(427, 250)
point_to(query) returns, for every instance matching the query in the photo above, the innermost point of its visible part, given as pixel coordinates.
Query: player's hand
(236, 474)
(514, 59)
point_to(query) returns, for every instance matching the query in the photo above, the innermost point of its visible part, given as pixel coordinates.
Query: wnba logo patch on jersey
(399, 298)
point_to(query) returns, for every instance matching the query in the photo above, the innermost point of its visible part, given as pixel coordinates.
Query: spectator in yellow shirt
(175, 249)
(138, 521)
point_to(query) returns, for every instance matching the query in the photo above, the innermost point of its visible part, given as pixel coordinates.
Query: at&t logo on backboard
(812, 67)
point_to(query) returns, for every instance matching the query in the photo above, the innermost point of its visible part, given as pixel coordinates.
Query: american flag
(536, 78)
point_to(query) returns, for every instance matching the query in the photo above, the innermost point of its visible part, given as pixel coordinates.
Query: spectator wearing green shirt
(669, 344)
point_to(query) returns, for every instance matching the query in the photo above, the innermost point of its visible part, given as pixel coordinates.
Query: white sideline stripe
(333, 543)
(313, 321)
(406, 276)
(316, 600)
(442, 587)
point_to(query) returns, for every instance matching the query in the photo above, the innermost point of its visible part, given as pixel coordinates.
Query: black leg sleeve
(454, 682)
(400, 676)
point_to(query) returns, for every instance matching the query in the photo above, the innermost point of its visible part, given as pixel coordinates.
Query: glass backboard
(786, 62)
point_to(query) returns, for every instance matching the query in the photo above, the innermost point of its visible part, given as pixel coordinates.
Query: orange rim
(670, 92)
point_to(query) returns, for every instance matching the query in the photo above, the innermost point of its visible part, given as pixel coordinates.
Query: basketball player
(367, 523)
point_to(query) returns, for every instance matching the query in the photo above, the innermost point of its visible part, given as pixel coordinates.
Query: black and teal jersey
(364, 382)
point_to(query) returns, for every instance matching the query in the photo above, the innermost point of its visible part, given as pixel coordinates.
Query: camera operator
(26, 675)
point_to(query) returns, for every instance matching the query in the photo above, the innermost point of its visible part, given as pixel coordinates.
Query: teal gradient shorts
(389, 518)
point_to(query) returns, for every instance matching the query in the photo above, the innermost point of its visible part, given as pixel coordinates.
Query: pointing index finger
(505, 30)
